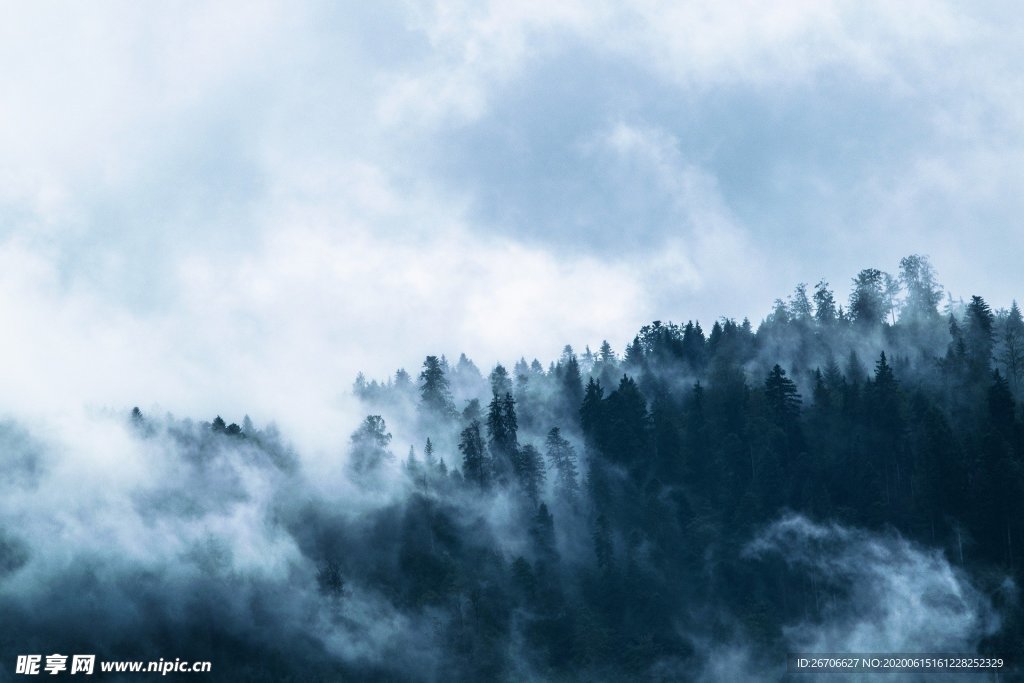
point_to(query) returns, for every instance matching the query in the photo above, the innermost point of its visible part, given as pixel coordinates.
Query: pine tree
(530, 472)
(979, 337)
(800, 304)
(466, 378)
(572, 385)
(562, 457)
(855, 372)
(868, 304)
(369, 445)
(884, 377)
(542, 531)
(413, 468)
(508, 409)
(502, 436)
(428, 456)
(587, 360)
(435, 395)
(497, 432)
(923, 292)
(501, 383)
(1012, 355)
(474, 459)
(956, 353)
(694, 347)
(833, 375)
(634, 356)
(782, 396)
(824, 304)
(821, 392)
(591, 413)
(779, 315)
(472, 411)
(359, 387)
(626, 436)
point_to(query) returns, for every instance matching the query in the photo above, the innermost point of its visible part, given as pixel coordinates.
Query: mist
(679, 510)
(507, 341)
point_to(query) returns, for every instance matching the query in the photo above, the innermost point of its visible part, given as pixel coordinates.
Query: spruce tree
(979, 337)
(369, 445)
(435, 395)
(824, 304)
(562, 458)
(474, 458)
(783, 399)
(868, 305)
(1012, 354)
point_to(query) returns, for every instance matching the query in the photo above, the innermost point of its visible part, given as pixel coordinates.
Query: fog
(140, 535)
(274, 213)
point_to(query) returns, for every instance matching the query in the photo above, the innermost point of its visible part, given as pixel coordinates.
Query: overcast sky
(233, 207)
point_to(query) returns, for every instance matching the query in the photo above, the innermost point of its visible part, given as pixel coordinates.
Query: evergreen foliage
(601, 517)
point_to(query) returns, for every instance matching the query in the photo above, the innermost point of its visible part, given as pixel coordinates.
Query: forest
(638, 482)
(841, 477)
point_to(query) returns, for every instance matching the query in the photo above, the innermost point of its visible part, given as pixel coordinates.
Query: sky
(234, 207)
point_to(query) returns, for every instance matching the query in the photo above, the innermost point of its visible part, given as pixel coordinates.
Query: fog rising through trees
(436, 341)
(691, 503)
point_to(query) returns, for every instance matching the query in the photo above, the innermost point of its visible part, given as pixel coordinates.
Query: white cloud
(704, 249)
(280, 329)
(92, 93)
(120, 124)
(479, 47)
(916, 600)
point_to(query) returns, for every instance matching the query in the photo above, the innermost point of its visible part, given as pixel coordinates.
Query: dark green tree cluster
(886, 414)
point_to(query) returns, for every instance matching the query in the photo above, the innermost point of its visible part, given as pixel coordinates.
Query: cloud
(879, 593)
(839, 134)
(165, 540)
(322, 292)
(92, 94)
(872, 592)
(478, 48)
(231, 209)
(223, 206)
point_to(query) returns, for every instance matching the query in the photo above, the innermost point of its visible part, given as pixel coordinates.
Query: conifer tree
(369, 445)
(501, 383)
(868, 305)
(923, 292)
(800, 304)
(428, 456)
(502, 435)
(824, 304)
(530, 472)
(591, 409)
(572, 385)
(1012, 355)
(783, 399)
(979, 336)
(435, 394)
(562, 458)
(474, 458)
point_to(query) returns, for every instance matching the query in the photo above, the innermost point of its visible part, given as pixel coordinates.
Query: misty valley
(691, 505)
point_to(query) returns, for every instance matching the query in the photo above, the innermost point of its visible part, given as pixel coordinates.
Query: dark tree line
(887, 414)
